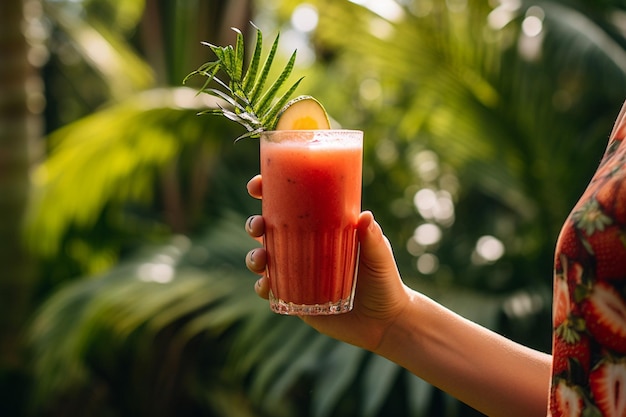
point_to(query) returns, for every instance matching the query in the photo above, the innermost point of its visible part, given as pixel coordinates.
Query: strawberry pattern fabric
(589, 308)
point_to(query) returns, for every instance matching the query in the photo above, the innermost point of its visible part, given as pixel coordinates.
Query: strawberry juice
(311, 204)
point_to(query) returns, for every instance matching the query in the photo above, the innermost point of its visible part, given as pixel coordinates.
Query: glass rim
(313, 136)
(278, 132)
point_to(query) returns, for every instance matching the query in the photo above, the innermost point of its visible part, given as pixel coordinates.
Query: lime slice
(303, 113)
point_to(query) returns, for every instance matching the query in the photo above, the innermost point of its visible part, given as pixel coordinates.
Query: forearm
(479, 367)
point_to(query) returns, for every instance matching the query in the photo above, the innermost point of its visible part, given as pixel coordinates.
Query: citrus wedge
(303, 113)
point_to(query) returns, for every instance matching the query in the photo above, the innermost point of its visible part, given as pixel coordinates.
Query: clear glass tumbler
(312, 182)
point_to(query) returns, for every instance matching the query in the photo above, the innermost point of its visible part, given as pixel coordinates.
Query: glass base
(326, 309)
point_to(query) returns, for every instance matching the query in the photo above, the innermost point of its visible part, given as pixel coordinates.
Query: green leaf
(272, 114)
(250, 76)
(238, 58)
(259, 82)
(116, 154)
(339, 371)
(266, 101)
(418, 393)
(378, 380)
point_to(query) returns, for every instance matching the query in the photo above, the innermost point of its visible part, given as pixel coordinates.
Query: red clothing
(589, 311)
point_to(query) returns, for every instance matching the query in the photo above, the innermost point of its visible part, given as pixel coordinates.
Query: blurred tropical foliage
(483, 120)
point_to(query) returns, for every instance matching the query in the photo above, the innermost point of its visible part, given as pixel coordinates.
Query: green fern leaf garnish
(250, 105)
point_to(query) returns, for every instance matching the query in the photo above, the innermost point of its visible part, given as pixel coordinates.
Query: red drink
(311, 204)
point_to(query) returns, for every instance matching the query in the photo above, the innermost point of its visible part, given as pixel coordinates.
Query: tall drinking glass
(311, 204)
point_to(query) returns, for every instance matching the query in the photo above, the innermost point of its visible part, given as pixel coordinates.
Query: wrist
(403, 329)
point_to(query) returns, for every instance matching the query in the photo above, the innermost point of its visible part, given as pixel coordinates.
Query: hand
(380, 294)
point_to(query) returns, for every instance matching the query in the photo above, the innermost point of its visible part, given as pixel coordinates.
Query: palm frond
(159, 288)
(124, 71)
(484, 109)
(115, 155)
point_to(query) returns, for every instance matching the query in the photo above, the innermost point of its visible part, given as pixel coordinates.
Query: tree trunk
(20, 126)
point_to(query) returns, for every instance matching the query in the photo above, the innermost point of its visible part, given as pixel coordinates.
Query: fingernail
(251, 256)
(249, 222)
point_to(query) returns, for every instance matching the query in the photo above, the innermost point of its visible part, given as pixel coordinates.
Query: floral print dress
(589, 310)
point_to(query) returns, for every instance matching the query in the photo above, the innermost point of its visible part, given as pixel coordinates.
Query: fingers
(255, 226)
(262, 288)
(255, 188)
(255, 262)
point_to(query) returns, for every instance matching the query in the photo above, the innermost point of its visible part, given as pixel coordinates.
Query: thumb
(376, 252)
